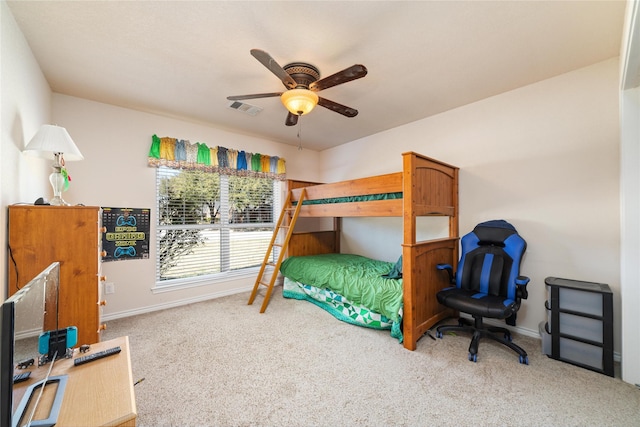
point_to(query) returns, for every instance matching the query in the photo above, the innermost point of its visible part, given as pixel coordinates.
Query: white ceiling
(183, 58)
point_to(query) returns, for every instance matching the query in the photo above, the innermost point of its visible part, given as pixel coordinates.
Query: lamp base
(57, 183)
(58, 201)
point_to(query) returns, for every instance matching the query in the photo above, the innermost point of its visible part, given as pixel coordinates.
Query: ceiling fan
(302, 81)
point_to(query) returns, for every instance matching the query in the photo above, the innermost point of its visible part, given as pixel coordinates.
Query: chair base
(478, 330)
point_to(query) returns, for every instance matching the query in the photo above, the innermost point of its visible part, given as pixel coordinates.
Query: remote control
(23, 376)
(24, 364)
(95, 356)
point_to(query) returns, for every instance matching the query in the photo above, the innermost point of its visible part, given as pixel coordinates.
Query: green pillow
(396, 271)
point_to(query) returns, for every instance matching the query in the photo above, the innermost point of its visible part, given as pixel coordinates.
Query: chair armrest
(449, 270)
(521, 282)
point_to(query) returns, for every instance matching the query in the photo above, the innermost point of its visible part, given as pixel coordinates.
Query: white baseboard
(172, 304)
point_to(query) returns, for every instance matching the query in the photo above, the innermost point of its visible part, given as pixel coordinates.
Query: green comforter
(349, 199)
(355, 277)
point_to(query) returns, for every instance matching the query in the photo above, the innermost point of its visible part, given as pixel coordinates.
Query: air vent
(249, 109)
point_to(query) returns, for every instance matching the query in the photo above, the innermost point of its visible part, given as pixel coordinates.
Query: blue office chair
(487, 284)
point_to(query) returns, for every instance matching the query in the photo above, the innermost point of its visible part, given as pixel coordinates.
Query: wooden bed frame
(429, 188)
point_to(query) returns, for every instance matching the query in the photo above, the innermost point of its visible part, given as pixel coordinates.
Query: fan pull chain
(300, 132)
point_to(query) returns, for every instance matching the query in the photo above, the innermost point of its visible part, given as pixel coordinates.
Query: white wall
(630, 192)
(630, 268)
(115, 143)
(25, 105)
(544, 157)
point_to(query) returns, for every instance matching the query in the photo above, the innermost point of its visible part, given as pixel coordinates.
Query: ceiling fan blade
(338, 108)
(352, 73)
(266, 60)
(291, 119)
(253, 96)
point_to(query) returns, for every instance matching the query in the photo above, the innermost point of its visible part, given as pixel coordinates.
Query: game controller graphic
(122, 251)
(129, 220)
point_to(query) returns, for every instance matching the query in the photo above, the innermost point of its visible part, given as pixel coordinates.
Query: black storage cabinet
(580, 322)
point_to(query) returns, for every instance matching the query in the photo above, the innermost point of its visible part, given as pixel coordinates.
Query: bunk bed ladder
(288, 211)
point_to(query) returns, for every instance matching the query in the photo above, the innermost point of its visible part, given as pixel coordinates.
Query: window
(211, 225)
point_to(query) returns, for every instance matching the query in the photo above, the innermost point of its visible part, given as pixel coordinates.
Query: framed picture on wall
(126, 234)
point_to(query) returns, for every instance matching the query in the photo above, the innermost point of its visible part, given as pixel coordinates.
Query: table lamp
(54, 142)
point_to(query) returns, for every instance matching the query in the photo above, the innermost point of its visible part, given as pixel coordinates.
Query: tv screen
(23, 317)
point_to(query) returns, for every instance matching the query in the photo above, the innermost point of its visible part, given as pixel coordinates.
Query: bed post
(430, 188)
(408, 255)
(454, 229)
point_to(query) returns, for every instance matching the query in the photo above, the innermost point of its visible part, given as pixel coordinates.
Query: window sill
(180, 284)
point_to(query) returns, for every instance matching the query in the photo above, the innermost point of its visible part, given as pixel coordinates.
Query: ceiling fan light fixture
(299, 101)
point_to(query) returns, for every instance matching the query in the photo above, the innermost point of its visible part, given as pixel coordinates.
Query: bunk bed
(425, 187)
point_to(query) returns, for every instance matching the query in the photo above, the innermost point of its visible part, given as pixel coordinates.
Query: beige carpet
(222, 363)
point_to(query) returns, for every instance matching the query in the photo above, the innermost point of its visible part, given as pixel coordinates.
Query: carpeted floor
(222, 363)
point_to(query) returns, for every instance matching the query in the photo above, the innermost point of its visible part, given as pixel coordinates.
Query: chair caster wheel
(473, 357)
(438, 334)
(524, 360)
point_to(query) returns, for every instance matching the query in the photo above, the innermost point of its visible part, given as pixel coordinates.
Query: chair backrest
(490, 260)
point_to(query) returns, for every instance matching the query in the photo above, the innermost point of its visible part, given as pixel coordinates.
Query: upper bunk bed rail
(431, 186)
(380, 184)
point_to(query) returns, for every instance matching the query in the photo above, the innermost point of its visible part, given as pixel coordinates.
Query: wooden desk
(98, 393)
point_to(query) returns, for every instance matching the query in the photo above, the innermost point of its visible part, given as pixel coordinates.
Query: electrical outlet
(109, 287)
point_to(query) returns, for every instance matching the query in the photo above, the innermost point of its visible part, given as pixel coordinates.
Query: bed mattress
(350, 287)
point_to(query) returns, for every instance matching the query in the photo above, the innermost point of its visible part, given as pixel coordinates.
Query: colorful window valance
(182, 154)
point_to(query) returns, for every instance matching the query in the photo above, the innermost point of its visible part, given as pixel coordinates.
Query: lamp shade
(299, 101)
(52, 139)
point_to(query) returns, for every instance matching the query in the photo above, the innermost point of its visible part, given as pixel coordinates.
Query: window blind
(212, 224)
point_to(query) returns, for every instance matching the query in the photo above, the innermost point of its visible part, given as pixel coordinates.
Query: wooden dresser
(40, 235)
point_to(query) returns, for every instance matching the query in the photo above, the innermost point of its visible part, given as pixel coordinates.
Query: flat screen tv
(25, 315)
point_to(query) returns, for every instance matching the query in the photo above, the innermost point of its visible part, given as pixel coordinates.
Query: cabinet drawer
(582, 353)
(577, 326)
(584, 302)
(573, 295)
